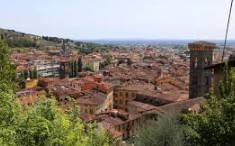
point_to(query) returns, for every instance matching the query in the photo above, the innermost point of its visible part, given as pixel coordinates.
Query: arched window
(206, 61)
(195, 62)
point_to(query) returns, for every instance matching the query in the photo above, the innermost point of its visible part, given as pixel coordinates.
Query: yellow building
(31, 83)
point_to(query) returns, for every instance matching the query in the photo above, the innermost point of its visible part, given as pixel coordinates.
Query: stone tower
(201, 55)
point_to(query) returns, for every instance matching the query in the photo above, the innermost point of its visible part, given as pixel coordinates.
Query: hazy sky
(119, 19)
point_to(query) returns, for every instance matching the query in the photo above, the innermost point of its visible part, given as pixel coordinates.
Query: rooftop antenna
(227, 30)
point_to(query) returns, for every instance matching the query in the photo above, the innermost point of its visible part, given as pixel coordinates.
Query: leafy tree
(35, 73)
(46, 125)
(79, 65)
(26, 74)
(107, 61)
(9, 117)
(30, 74)
(70, 69)
(7, 69)
(88, 67)
(21, 42)
(215, 123)
(75, 68)
(2, 37)
(164, 132)
(9, 109)
(227, 88)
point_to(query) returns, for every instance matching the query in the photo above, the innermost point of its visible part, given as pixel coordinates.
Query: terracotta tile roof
(97, 98)
(114, 133)
(182, 105)
(87, 117)
(141, 107)
(116, 117)
(27, 97)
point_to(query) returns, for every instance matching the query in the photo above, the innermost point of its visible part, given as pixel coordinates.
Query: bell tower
(201, 55)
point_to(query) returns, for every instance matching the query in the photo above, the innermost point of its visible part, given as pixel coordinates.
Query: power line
(227, 29)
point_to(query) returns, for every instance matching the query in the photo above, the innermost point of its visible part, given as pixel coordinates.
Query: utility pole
(227, 29)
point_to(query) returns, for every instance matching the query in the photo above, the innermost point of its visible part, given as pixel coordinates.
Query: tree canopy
(164, 132)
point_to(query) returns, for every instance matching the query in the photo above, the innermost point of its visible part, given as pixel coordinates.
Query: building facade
(201, 55)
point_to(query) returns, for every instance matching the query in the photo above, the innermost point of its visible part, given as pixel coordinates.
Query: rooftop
(95, 98)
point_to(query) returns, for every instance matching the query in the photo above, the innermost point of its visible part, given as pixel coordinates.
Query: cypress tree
(70, 69)
(79, 65)
(2, 37)
(35, 73)
(25, 74)
(75, 68)
(30, 74)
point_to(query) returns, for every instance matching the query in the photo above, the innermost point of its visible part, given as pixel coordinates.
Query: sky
(119, 19)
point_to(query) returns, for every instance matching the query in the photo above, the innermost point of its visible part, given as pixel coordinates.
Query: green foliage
(26, 74)
(46, 125)
(227, 88)
(215, 123)
(34, 73)
(88, 67)
(21, 42)
(20, 50)
(92, 47)
(164, 132)
(52, 39)
(73, 68)
(107, 61)
(7, 70)
(79, 63)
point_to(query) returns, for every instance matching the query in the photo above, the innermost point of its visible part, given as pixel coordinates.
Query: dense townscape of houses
(133, 86)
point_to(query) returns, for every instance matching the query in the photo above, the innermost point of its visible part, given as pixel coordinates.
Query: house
(46, 68)
(218, 72)
(91, 62)
(95, 102)
(31, 83)
(27, 97)
(122, 123)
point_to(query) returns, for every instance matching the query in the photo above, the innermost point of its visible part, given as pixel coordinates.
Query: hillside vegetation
(16, 40)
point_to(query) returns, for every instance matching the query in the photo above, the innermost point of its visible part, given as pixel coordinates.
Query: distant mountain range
(158, 42)
(20, 39)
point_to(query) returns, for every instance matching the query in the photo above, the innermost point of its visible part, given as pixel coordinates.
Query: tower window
(207, 81)
(195, 63)
(206, 61)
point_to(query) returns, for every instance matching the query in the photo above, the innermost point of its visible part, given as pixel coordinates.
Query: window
(133, 94)
(126, 94)
(206, 61)
(195, 82)
(207, 81)
(195, 63)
